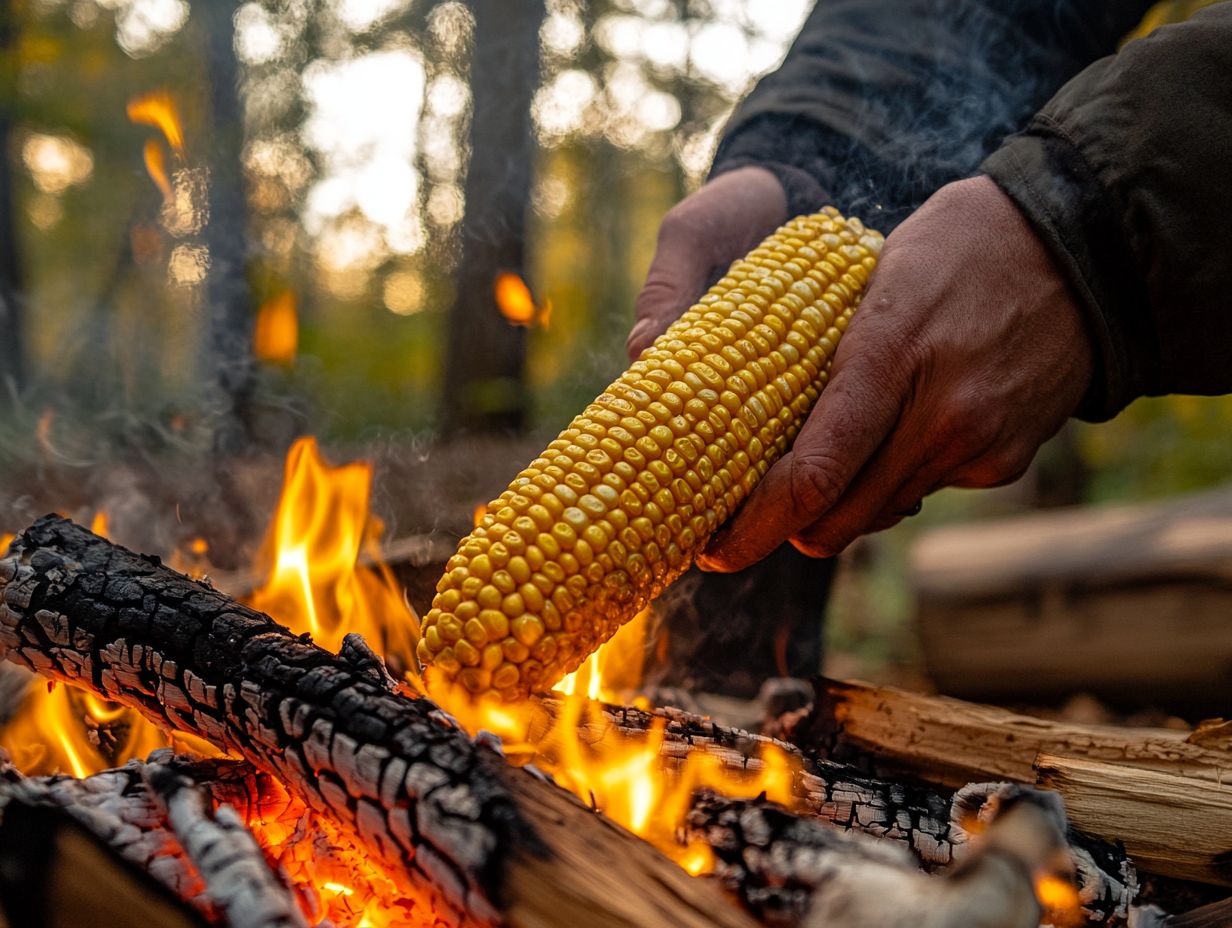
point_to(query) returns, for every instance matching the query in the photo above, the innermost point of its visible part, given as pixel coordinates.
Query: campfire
(299, 775)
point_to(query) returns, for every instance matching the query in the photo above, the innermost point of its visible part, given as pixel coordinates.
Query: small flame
(276, 337)
(316, 584)
(156, 167)
(42, 431)
(477, 516)
(6, 539)
(191, 559)
(159, 110)
(698, 858)
(516, 303)
(100, 525)
(1060, 899)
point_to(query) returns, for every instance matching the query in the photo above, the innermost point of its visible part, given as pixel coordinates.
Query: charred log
(461, 832)
(931, 824)
(792, 871)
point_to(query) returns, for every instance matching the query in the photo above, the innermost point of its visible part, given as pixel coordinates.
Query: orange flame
(42, 431)
(60, 729)
(316, 584)
(100, 524)
(156, 167)
(6, 539)
(159, 110)
(1060, 900)
(276, 336)
(516, 303)
(632, 780)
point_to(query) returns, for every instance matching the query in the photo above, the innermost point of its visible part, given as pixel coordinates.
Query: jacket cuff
(1044, 173)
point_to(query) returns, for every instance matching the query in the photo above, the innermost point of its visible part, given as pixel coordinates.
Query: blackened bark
(485, 360)
(428, 802)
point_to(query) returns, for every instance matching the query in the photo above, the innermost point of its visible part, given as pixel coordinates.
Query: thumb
(707, 230)
(677, 276)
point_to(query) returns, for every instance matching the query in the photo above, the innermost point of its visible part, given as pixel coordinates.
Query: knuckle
(969, 428)
(682, 222)
(816, 482)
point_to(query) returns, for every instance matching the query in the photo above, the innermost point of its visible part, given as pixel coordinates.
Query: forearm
(881, 102)
(1125, 176)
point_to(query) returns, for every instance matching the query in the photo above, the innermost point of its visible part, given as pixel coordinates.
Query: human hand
(708, 229)
(967, 353)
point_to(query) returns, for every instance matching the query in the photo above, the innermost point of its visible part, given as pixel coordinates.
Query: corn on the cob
(619, 504)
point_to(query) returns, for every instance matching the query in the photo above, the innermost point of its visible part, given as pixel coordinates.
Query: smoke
(883, 102)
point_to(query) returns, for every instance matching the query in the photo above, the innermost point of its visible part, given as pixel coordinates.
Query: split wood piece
(467, 836)
(160, 819)
(952, 742)
(52, 869)
(949, 741)
(115, 807)
(1125, 602)
(795, 872)
(1173, 825)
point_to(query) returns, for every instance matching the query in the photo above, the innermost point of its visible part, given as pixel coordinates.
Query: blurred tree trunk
(485, 361)
(12, 360)
(228, 367)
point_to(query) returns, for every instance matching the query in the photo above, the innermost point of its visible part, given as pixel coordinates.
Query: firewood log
(1163, 796)
(469, 837)
(57, 873)
(793, 871)
(162, 820)
(953, 742)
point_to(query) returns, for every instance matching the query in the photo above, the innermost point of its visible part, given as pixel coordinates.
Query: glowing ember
(276, 336)
(516, 303)
(1060, 900)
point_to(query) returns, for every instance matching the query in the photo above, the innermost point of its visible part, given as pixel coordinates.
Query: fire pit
(311, 787)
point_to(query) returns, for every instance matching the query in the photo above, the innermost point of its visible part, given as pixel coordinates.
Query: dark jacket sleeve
(880, 102)
(1127, 176)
